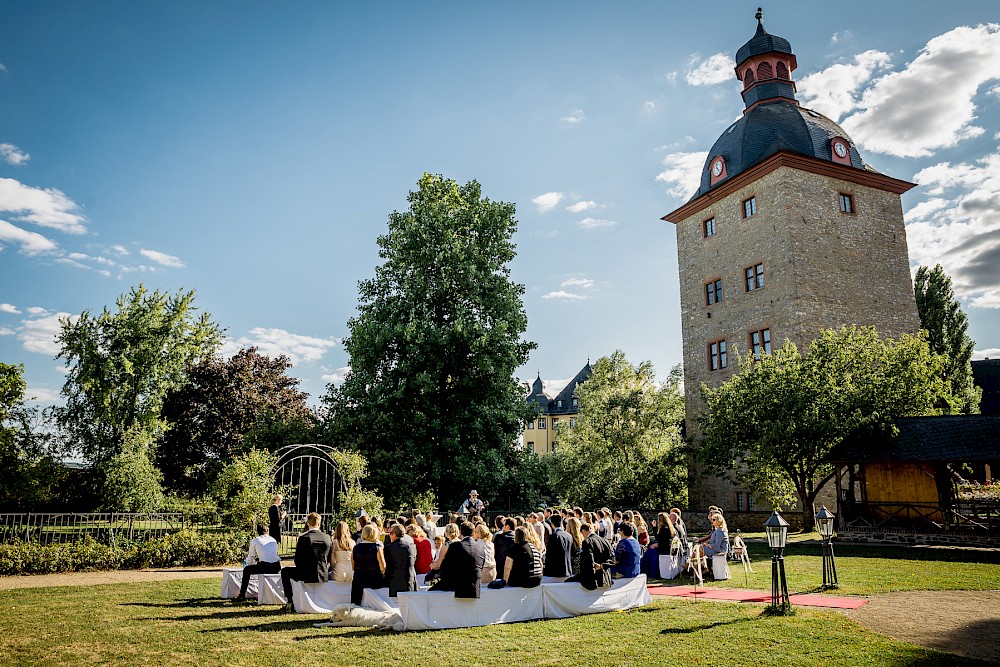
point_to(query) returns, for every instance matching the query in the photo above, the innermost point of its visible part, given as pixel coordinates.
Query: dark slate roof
(553, 407)
(986, 375)
(762, 42)
(771, 127)
(952, 438)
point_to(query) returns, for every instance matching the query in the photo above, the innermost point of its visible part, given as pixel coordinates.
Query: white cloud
(162, 258)
(683, 172)
(958, 226)
(551, 388)
(714, 69)
(565, 296)
(649, 106)
(548, 201)
(44, 207)
(4, 331)
(577, 282)
(929, 104)
(838, 36)
(274, 342)
(338, 376)
(31, 243)
(11, 154)
(42, 395)
(37, 310)
(3, 68)
(581, 206)
(39, 334)
(988, 353)
(834, 91)
(574, 118)
(671, 77)
(120, 249)
(9, 308)
(594, 223)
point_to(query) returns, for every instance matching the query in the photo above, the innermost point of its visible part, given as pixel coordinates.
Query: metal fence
(56, 528)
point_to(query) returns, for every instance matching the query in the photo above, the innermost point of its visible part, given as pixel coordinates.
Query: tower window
(709, 227)
(760, 342)
(749, 207)
(748, 77)
(713, 291)
(846, 203)
(782, 71)
(717, 355)
(764, 71)
(754, 277)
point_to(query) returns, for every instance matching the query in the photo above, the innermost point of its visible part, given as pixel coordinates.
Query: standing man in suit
(400, 556)
(558, 559)
(312, 559)
(462, 565)
(275, 515)
(596, 559)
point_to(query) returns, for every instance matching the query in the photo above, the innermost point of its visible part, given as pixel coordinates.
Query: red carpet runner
(804, 600)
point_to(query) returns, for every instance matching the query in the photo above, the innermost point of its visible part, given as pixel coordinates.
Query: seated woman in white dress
(490, 564)
(340, 555)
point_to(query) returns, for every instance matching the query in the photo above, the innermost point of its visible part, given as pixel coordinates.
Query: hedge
(180, 549)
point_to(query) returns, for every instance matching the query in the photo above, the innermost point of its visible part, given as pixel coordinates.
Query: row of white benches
(428, 610)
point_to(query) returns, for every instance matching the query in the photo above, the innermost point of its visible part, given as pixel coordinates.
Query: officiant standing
(472, 506)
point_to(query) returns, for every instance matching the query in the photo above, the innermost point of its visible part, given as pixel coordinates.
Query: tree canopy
(212, 414)
(774, 422)
(947, 328)
(431, 397)
(626, 447)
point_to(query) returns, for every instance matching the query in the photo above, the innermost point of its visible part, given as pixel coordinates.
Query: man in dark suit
(462, 565)
(558, 559)
(312, 559)
(503, 541)
(275, 515)
(596, 559)
(400, 556)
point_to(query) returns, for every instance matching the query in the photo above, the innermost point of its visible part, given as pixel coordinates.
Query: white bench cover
(319, 598)
(565, 600)
(437, 610)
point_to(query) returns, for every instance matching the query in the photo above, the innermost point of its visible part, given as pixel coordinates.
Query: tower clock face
(840, 149)
(717, 167)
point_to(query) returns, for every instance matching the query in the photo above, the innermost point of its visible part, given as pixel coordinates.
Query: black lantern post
(824, 521)
(776, 529)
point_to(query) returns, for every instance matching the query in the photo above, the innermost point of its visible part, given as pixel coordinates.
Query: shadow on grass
(190, 602)
(274, 626)
(706, 626)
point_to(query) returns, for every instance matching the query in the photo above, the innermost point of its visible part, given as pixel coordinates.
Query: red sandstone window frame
(749, 207)
(753, 277)
(718, 355)
(714, 295)
(762, 343)
(708, 224)
(846, 201)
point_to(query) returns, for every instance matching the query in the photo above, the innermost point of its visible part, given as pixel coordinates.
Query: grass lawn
(184, 623)
(869, 570)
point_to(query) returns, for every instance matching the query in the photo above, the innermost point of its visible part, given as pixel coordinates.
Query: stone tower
(789, 233)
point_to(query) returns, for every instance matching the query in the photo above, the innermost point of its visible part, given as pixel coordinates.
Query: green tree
(130, 481)
(219, 408)
(626, 448)
(431, 397)
(947, 328)
(122, 364)
(244, 488)
(773, 424)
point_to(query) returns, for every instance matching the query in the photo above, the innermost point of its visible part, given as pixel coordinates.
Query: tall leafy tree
(222, 404)
(626, 448)
(431, 399)
(941, 316)
(773, 424)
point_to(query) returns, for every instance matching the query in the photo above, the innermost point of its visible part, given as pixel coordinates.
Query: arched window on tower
(765, 71)
(748, 77)
(782, 70)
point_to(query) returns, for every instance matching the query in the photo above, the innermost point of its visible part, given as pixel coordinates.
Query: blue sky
(253, 151)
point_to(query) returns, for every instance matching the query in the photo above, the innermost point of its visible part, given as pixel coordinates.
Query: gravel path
(111, 577)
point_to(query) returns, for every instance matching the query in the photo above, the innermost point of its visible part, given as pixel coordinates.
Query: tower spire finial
(759, 15)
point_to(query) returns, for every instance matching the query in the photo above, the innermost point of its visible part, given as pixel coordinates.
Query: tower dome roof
(766, 129)
(762, 42)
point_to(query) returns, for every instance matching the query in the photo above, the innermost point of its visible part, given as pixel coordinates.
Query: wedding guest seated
(503, 541)
(424, 550)
(340, 556)
(360, 521)
(483, 534)
(596, 559)
(573, 528)
(262, 558)
(312, 559)
(429, 526)
(558, 556)
(718, 540)
(439, 543)
(368, 562)
(524, 561)
(451, 535)
(682, 536)
(400, 555)
(462, 566)
(627, 552)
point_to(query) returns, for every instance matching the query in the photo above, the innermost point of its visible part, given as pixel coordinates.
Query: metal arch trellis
(310, 474)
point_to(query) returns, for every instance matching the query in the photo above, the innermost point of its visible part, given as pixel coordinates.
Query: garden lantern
(824, 522)
(776, 529)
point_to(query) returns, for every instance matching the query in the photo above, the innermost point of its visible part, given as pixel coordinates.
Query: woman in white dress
(490, 564)
(340, 555)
